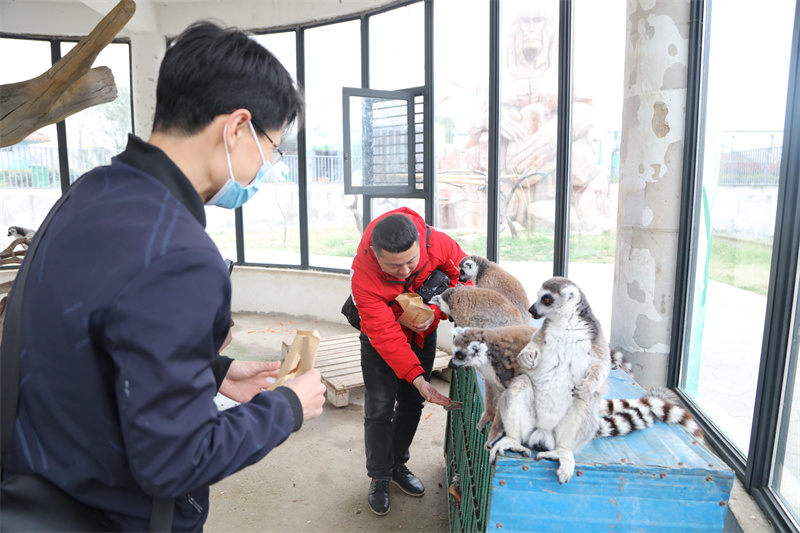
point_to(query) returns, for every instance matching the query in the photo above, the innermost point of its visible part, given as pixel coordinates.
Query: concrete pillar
(651, 159)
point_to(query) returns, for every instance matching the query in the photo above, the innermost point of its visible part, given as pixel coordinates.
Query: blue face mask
(233, 194)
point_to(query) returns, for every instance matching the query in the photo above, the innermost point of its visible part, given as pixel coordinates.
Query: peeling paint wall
(651, 163)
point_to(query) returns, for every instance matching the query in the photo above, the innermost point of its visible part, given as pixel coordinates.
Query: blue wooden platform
(657, 479)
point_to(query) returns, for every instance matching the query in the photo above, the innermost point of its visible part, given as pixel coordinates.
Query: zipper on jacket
(193, 503)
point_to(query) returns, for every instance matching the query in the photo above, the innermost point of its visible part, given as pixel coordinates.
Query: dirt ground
(316, 480)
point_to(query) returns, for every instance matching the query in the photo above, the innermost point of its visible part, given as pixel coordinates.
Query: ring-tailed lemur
(18, 232)
(493, 353)
(489, 275)
(475, 307)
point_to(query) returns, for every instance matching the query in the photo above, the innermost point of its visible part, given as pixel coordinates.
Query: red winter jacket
(374, 296)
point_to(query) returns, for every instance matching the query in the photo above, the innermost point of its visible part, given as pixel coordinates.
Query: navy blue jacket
(126, 306)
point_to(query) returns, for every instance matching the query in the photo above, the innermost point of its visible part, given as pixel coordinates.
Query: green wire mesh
(468, 467)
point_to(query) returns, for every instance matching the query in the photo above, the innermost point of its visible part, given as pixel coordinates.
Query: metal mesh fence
(468, 469)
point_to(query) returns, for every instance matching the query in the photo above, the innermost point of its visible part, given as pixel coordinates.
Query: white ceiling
(169, 17)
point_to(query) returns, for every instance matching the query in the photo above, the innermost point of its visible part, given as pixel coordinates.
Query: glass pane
(461, 94)
(786, 470)
(598, 63)
(100, 132)
(272, 217)
(221, 227)
(378, 142)
(737, 214)
(384, 205)
(528, 119)
(334, 217)
(397, 48)
(30, 181)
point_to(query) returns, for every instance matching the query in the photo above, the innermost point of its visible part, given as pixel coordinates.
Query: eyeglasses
(278, 153)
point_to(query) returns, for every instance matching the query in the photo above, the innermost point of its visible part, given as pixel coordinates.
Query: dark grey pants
(392, 408)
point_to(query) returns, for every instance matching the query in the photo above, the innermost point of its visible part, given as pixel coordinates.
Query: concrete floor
(316, 480)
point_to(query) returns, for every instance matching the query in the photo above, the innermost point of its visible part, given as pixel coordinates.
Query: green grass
(742, 264)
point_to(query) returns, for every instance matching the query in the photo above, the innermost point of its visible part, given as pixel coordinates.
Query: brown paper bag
(300, 358)
(415, 311)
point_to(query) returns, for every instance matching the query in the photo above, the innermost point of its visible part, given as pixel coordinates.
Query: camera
(436, 283)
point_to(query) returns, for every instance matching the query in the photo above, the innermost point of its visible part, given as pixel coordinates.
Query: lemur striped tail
(618, 361)
(621, 417)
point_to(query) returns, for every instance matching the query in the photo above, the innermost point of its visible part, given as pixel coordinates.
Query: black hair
(394, 233)
(210, 70)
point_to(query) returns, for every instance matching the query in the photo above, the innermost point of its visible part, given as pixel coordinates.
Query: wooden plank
(339, 362)
(339, 398)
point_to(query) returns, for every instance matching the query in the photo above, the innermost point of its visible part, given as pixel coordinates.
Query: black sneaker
(408, 482)
(379, 496)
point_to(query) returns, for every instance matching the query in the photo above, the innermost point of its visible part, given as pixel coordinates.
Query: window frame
(756, 469)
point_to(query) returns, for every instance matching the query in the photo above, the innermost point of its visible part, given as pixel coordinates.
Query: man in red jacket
(397, 254)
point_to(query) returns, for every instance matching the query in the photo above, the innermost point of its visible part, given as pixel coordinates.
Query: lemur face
(557, 296)
(468, 270)
(440, 302)
(468, 350)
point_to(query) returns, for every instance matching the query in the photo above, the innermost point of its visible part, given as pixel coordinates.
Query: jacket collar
(153, 161)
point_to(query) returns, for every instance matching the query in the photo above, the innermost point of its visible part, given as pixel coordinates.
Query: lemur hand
(529, 356)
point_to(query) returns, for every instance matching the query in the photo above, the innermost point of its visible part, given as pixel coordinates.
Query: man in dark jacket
(128, 302)
(397, 254)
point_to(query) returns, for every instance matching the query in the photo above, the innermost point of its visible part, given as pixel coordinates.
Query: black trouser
(392, 407)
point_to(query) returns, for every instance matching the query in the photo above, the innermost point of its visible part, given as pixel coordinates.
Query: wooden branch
(5, 288)
(30, 105)
(9, 255)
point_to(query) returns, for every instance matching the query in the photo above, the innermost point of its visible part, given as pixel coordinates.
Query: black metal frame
(780, 307)
(379, 190)
(773, 381)
(493, 170)
(563, 140)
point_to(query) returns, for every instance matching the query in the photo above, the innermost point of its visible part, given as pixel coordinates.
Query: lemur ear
(457, 331)
(569, 292)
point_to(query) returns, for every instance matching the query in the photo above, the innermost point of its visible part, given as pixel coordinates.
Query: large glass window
(30, 170)
(271, 219)
(598, 66)
(397, 48)
(528, 134)
(333, 216)
(741, 160)
(461, 92)
(100, 132)
(30, 178)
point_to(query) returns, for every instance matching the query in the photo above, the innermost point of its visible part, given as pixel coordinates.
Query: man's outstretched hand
(429, 392)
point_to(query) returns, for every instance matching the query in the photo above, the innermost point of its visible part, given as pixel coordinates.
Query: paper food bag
(415, 311)
(300, 357)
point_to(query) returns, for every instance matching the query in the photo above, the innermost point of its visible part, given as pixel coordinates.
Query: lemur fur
(18, 232)
(489, 275)
(568, 362)
(474, 307)
(493, 353)
(658, 403)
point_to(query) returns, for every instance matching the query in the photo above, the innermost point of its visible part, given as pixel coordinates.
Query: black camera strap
(10, 346)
